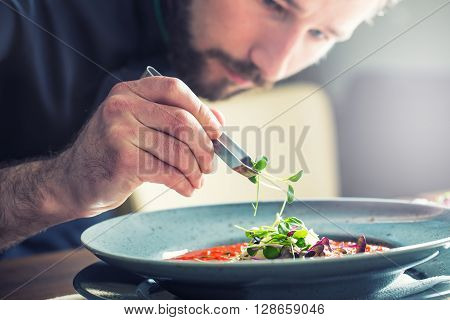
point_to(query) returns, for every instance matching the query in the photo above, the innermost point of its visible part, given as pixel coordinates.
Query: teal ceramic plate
(136, 242)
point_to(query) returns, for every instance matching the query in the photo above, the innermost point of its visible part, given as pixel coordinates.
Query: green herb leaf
(301, 243)
(294, 221)
(300, 234)
(261, 164)
(283, 227)
(296, 176)
(279, 237)
(253, 179)
(252, 251)
(290, 194)
(271, 252)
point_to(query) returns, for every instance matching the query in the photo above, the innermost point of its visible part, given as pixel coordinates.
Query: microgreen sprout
(286, 237)
(259, 166)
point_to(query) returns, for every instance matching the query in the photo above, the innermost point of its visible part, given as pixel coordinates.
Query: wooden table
(42, 276)
(46, 276)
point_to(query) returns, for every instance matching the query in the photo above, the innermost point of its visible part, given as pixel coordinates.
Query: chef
(80, 131)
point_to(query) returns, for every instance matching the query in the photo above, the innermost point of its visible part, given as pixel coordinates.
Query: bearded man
(73, 105)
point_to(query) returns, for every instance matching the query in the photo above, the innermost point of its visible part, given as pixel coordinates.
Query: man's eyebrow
(336, 33)
(293, 4)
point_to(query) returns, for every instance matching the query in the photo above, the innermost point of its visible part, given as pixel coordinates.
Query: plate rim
(444, 242)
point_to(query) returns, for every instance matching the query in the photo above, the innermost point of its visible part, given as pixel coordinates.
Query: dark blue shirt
(58, 61)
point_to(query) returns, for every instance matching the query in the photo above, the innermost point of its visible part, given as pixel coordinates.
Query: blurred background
(392, 111)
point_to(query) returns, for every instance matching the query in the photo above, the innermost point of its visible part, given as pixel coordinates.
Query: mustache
(246, 69)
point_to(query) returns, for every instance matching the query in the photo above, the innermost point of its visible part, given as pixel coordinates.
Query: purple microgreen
(361, 244)
(323, 242)
(291, 232)
(315, 250)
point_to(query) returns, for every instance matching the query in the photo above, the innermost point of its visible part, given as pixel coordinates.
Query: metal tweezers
(225, 148)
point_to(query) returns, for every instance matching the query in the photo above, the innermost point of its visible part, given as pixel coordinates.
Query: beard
(191, 65)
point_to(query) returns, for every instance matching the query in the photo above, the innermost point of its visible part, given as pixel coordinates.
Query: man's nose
(273, 52)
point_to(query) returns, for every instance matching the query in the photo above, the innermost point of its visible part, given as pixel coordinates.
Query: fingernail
(216, 122)
(216, 129)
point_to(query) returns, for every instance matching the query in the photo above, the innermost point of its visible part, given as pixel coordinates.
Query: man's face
(234, 45)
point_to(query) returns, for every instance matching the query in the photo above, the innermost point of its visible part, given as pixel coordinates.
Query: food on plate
(286, 238)
(290, 238)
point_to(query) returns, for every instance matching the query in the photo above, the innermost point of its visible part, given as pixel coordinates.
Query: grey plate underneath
(101, 281)
(136, 243)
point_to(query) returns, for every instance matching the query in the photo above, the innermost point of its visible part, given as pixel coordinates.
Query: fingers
(219, 115)
(172, 133)
(153, 170)
(179, 124)
(173, 92)
(171, 151)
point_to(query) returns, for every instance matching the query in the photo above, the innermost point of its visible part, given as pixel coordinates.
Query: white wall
(393, 109)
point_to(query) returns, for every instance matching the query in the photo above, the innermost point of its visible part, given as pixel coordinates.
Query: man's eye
(317, 34)
(272, 4)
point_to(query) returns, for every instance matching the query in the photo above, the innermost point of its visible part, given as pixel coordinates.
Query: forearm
(32, 198)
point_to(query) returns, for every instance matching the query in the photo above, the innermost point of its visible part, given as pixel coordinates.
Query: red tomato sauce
(228, 252)
(220, 253)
